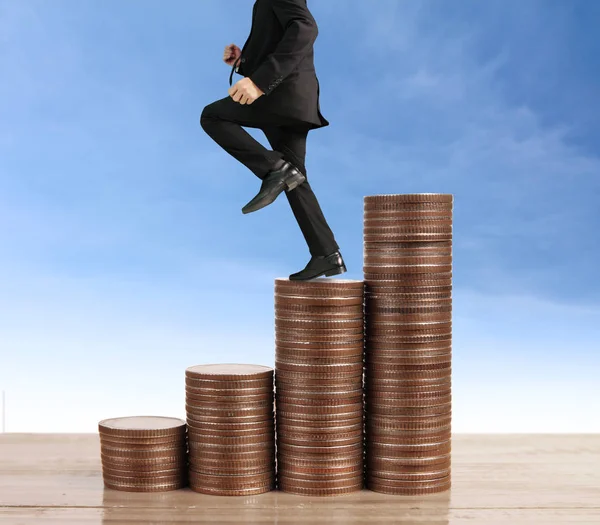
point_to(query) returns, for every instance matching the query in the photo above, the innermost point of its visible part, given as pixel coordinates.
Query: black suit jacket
(278, 58)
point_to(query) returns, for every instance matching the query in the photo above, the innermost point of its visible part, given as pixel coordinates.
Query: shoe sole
(328, 273)
(293, 182)
(335, 271)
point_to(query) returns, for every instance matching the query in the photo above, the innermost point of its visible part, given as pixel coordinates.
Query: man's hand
(231, 54)
(245, 91)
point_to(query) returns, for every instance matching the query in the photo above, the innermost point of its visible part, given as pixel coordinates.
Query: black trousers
(223, 120)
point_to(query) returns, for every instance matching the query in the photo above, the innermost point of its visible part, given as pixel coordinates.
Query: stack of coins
(319, 361)
(144, 453)
(231, 430)
(408, 332)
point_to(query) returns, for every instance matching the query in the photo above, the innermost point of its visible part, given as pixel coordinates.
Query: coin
(283, 400)
(318, 472)
(230, 450)
(142, 427)
(418, 338)
(195, 419)
(408, 437)
(233, 492)
(376, 358)
(289, 358)
(376, 485)
(320, 461)
(324, 284)
(389, 200)
(151, 487)
(151, 479)
(352, 378)
(318, 336)
(321, 432)
(233, 428)
(398, 248)
(317, 385)
(410, 422)
(318, 492)
(231, 440)
(229, 371)
(226, 454)
(415, 270)
(397, 292)
(392, 348)
(395, 205)
(232, 413)
(200, 465)
(230, 392)
(403, 362)
(402, 321)
(391, 449)
(143, 454)
(373, 388)
(295, 408)
(285, 300)
(199, 403)
(397, 304)
(312, 477)
(159, 471)
(381, 234)
(322, 424)
(405, 463)
(289, 483)
(410, 282)
(318, 324)
(412, 370)
(405, 222)
(230, 387)
(384, 218)
(286, 439)
(401, 372)
(332, 452)
(325, 346)
(311, 368)
(297, 351)
(141, 443)
(379, 404)
(241, 479)
(217, 433)
(143, 463)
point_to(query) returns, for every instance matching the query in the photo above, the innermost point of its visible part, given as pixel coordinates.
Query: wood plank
(496, 479)
(352, 515)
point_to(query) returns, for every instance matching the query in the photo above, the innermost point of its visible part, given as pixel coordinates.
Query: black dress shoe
(327, 265)
(287, 177)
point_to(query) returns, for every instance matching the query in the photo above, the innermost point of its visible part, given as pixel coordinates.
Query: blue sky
(124, 255)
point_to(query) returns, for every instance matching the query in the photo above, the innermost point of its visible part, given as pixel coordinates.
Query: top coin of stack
(143, 453)
(231, 431)
(408, 331)
(318, 385)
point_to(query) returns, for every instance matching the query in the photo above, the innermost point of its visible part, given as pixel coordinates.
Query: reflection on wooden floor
(510, 479)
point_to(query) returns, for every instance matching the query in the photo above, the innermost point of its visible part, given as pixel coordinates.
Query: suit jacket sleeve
(300, 32)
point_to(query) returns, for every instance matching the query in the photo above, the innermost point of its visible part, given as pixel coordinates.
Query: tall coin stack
(143, 453)
(231, 430)
(408, 332)
(319, 327)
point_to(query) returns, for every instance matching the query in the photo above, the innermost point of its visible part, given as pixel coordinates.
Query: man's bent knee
(208, 115)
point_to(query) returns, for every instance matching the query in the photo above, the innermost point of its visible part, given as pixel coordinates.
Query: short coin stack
(408, 332)
(231, 431)
(319, 327)
(143, 453)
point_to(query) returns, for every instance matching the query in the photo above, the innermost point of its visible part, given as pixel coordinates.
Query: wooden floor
(515, 479)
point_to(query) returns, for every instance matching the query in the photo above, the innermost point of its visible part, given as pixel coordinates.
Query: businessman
(279, 94)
